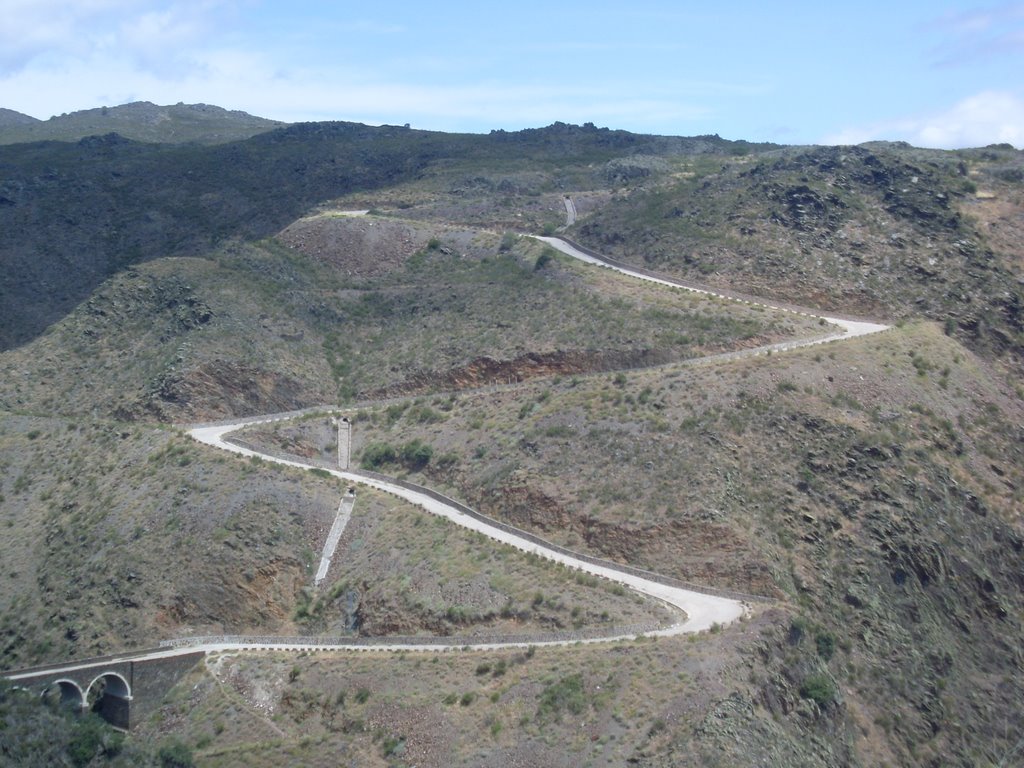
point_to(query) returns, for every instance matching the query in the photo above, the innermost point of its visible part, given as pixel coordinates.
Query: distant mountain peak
(139, 121)
(8, 117)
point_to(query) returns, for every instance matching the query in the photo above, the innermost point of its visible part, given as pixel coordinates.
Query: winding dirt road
(696, 611)
(700, 611)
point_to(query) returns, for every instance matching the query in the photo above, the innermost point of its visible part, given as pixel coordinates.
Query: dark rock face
(805, 209)
(224, 388)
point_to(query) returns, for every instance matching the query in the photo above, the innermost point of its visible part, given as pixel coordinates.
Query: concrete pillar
(344, 442)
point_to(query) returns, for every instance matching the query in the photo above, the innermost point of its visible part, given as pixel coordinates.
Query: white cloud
(63, 56)
(51, 32)
(258, 83)
(979, 33)
(989, 117)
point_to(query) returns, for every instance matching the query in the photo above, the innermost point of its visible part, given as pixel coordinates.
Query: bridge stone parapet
(123, 689)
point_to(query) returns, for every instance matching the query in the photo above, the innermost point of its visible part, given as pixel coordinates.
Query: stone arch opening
(109, 696)
(64, 694)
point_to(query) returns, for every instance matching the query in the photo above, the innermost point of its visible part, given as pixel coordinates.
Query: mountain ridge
(139, 120)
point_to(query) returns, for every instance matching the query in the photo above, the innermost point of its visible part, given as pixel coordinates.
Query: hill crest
(139, 120)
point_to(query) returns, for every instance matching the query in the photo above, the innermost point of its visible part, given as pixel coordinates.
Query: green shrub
(392, 745)
(378, 454)
(416, 454)
(91, 738)
(175, 755)
(798, 627)
(819, 688)
(394, 412)
(826, 644)
(447, 460)
(566, 694)
(424, 414)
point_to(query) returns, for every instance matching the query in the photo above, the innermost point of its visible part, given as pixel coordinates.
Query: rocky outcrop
(222, 389)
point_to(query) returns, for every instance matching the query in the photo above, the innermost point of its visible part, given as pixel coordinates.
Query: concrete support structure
(344, 442)
(341, 519)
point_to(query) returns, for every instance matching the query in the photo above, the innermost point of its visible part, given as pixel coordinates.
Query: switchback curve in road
(702, 611)
(848, 328)
(570, 211)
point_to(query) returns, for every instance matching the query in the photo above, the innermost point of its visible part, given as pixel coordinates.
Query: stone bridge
(123, 689)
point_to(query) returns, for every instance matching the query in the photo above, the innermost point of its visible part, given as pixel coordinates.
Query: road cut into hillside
(846, 329)
(702, 611)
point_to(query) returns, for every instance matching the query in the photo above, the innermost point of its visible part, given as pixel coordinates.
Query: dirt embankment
(363, 246)
(485, 371)
(679, 548)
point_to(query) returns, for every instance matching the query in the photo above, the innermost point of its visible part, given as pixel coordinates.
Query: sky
(930, 72)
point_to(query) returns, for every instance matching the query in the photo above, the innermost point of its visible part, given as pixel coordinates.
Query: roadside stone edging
(341, 641)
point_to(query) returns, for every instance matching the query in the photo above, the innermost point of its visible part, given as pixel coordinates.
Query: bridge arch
(109, 696)
(65, 694)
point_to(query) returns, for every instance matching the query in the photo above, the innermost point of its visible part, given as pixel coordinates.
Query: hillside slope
(75, 214)
(874, 487)
(883, 229)
(344, 308)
